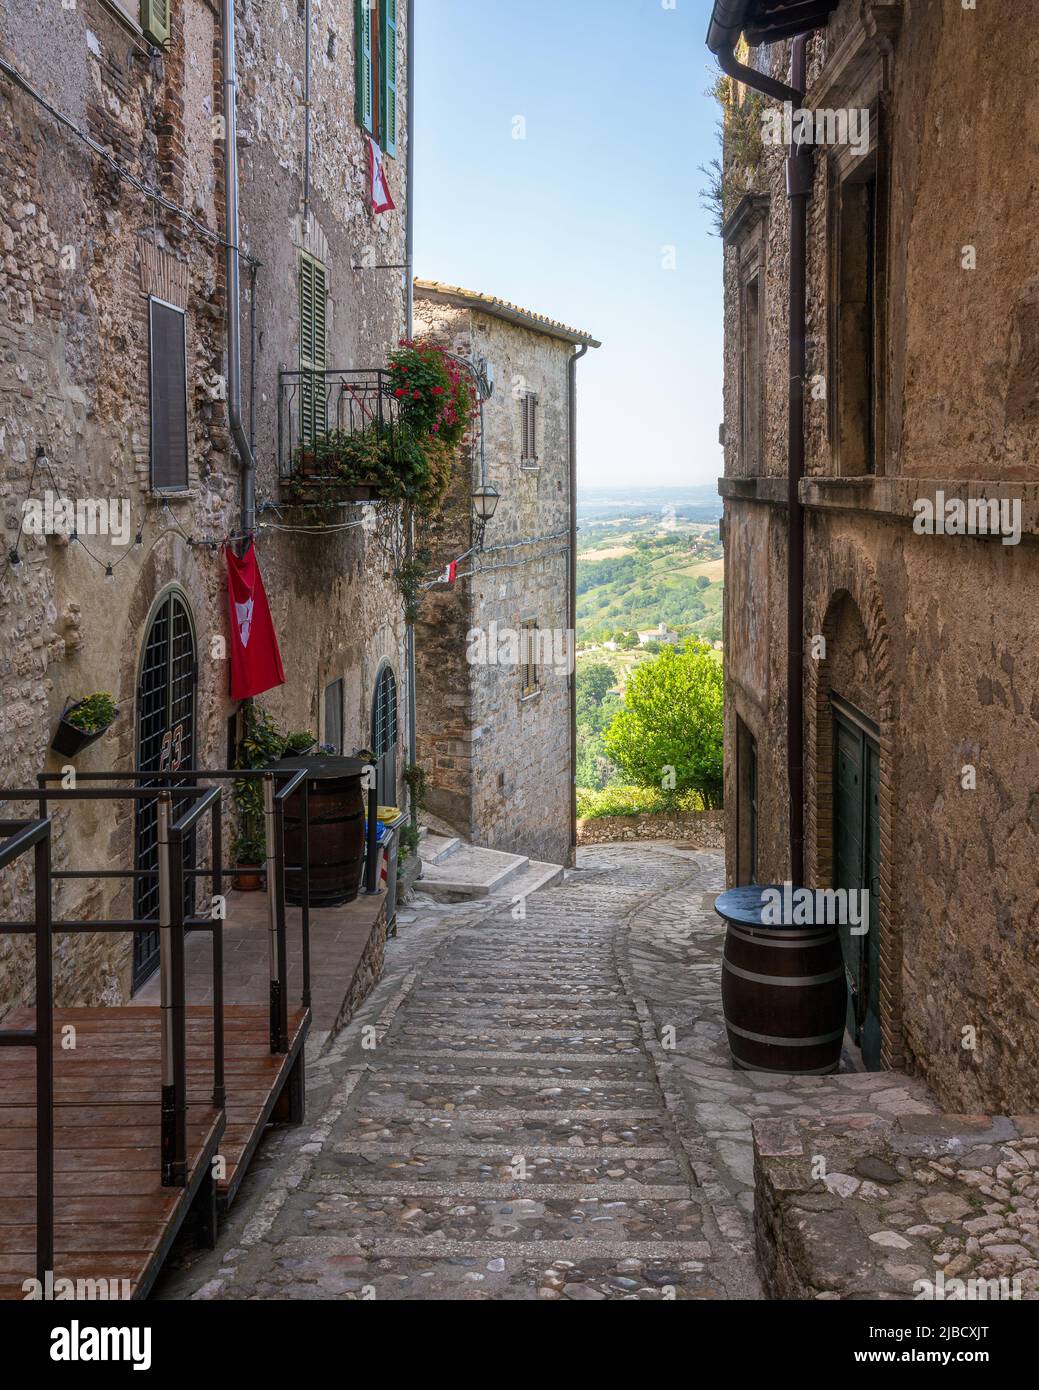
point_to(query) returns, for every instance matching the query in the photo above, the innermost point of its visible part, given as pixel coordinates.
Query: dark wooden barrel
(336, 831)
(784, 992)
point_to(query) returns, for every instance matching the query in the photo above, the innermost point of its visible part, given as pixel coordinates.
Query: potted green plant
(83, 722)
(250, 852)
(298, 744)
(260, 745)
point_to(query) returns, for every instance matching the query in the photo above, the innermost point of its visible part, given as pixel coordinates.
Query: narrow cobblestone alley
(518, 1130)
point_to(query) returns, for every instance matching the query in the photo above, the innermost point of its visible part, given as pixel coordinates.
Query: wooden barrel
(784, 992)
(335, 831)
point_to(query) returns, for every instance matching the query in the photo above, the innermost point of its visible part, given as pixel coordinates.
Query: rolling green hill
(632, 579)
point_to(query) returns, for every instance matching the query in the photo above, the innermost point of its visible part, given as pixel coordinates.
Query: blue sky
(573, 221)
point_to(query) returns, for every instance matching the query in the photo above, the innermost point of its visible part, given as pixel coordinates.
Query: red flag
(255, 659)
(452, 571)
(381, 199)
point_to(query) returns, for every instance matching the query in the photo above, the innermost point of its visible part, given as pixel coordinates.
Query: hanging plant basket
(69, 738)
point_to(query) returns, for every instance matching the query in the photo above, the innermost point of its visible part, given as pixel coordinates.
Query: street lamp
(485, 503)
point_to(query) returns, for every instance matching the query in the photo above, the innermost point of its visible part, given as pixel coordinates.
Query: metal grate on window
(169, 397)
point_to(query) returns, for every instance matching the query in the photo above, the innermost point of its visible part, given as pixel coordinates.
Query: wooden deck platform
(113, 1218)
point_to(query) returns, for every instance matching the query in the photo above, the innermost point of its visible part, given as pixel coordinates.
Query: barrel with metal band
(784, 991)
(335, 827)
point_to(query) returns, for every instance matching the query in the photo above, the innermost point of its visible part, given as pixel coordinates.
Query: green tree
(594, 680)
(672, 717)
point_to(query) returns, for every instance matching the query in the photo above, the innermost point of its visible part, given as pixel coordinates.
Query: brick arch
(850, 576)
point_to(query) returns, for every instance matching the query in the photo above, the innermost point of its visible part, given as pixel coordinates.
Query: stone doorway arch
(856, 655)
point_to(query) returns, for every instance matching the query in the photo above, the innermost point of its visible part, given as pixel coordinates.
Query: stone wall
(499, 761)
(77, 243)
(702, 829)
(871, 1207)
(924, 633)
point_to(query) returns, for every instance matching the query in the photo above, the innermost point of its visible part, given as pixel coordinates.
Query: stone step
(469, 872)
(462, 1024)
(400, 1056)
(454, 1094)
(434, 849)
(527, 1130)
(507, 1275)
(440, 1163)
(420, 1223)
(534, 878)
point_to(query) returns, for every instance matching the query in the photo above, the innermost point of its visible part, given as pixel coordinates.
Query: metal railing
(311, 404)
(172, 925)
(275, 798)
(19, 838)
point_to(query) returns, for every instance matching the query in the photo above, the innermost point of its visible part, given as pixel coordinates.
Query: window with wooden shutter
(366, 65)
(529, 657)
(313, 297)
(168, 378)
(529, 430)
(155, 20)
(388, 77)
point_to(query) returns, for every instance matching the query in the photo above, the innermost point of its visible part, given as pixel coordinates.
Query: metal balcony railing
(313, 404)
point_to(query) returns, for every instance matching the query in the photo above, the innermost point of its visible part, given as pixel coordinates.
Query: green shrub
(634, 801)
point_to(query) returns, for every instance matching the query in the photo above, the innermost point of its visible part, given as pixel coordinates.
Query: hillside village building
(495, 645)
(116, 382)
(915, 671)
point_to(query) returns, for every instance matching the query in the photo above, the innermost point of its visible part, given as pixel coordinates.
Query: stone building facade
(921, 659)
(494, 728)
(112, 203)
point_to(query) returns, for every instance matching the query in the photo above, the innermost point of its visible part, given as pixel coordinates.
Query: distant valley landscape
(650, 575)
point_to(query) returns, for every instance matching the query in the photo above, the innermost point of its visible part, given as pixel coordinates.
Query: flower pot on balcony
(69, 739)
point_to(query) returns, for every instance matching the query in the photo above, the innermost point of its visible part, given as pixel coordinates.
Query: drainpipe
(409, 319)
(722, 37)
(306, 119)
(799, 172)
(571, 405)
(234, 327)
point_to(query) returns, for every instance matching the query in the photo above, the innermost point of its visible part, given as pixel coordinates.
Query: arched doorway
(384, 735)
(166, 687)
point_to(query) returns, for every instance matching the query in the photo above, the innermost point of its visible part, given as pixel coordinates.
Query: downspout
(722, 37)
(799, 173)
(571, 405)
(409, 319)
(234, 327)
(306, 119)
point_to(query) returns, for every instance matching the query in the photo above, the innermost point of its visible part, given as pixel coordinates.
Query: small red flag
(255, 659)
(452, 571)
(381, 199)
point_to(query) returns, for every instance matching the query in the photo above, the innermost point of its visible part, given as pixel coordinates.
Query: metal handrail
(290, 780)
(21, 837)
(171, 924)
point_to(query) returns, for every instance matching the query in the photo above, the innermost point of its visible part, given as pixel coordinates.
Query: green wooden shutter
(313, 293)
(155, 20)
(388, 71)
(365, 74)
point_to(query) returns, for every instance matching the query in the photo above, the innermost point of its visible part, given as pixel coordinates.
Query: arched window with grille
(166, 694)
(384, 734)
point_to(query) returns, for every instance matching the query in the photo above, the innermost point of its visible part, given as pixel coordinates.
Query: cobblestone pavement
(523, 1127)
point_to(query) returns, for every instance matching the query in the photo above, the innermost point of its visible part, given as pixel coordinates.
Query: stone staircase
(455, 871)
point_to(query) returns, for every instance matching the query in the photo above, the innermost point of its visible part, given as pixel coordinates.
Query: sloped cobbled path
(492, 1125)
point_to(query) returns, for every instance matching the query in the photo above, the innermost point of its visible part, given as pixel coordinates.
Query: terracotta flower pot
(248, 878)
